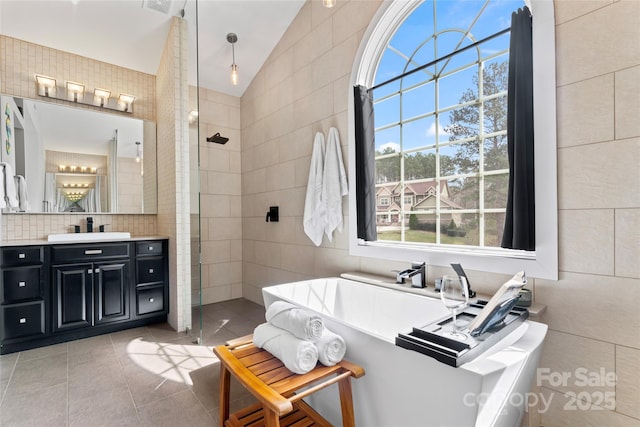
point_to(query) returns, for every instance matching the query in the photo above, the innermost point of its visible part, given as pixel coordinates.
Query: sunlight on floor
(172, 362)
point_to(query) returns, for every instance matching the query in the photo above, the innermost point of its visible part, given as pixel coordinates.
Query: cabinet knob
(22, 284)
(23, 320)
(22, 256)
(151, 271)
(93, 252)
(151, 299)
(150, 248)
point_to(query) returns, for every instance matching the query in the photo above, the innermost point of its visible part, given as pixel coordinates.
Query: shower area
(214, 171)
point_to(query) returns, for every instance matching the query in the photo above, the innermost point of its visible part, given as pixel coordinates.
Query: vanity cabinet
(151, 291)
(91, 284)
(61, 292)
(23, 299)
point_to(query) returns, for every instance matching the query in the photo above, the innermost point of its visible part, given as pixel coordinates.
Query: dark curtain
(365, 165)
(519, 226)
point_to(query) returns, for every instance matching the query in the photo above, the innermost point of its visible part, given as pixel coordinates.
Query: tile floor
(148, 376)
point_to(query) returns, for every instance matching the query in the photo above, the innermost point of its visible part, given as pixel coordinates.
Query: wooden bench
(266, 377)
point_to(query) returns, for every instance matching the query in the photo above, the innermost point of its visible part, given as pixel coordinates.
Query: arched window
(437, 73)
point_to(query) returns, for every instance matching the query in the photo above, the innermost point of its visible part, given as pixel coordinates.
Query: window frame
(541, 263)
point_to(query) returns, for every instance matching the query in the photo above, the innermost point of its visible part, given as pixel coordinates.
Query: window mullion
(481, 154)
(402, 179)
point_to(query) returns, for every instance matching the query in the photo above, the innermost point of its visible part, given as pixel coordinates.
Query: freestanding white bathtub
(403, 388)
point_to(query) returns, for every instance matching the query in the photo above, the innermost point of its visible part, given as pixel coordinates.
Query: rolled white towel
(331, 348)
(299, 356)
(302, 323)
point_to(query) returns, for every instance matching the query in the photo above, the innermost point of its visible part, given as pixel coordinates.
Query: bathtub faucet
(417, 273)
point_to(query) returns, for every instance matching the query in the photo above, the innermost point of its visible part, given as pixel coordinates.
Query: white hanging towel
(334, 184)
(23, 198)
(50, 192)
(314, 212)
(10, 193)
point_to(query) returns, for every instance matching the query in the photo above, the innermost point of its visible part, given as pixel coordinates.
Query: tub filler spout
(417, 273)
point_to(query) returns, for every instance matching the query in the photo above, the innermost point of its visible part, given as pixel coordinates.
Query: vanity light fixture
(101, 97)
(328, 3)
(76, 169)
(138, 152)
(46, 86)
(75, 92)
(125, 102)
(233, 38)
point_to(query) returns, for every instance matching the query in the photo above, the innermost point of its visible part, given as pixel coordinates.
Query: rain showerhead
(218, 139)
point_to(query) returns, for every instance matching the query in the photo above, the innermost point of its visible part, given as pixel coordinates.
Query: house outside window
(444, 128)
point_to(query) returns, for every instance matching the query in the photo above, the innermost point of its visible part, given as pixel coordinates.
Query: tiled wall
(129, 185)
(220, 201)
(39, 226)
(20, 61)
(592, 310)
(301, 89)
(173, 167)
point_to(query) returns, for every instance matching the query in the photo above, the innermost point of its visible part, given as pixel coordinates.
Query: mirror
(82, 160)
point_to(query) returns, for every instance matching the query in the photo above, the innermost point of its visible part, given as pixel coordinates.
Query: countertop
(45, 242)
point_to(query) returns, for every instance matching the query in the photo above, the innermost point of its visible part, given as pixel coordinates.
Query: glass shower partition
(191, 16)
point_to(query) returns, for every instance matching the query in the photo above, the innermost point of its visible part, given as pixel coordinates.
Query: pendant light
(233, 38)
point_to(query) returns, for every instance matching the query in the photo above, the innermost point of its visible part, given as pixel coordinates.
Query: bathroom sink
(88, 237)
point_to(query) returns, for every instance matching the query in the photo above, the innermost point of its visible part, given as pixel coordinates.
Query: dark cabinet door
(111, 291)
(72, 287)
(22, 320)
(20, 284)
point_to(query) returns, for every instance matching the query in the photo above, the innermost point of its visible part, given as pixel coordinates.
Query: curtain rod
(435, 61)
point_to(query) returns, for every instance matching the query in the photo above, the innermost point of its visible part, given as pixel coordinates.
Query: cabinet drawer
(22, 320)
(22, 255)
(149, 248)
(149, 270)
(89, 252)
(150, 300)
(21, 284)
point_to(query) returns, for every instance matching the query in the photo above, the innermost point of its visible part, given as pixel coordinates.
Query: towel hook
(273, 215)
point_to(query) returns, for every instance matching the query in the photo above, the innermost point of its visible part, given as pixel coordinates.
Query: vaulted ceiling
(132, 33)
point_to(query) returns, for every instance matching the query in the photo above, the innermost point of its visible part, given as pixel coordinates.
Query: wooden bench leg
(346, 402)
(271, 419)
(225, 384)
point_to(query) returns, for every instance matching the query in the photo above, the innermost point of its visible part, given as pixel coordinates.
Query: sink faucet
(417, 273)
